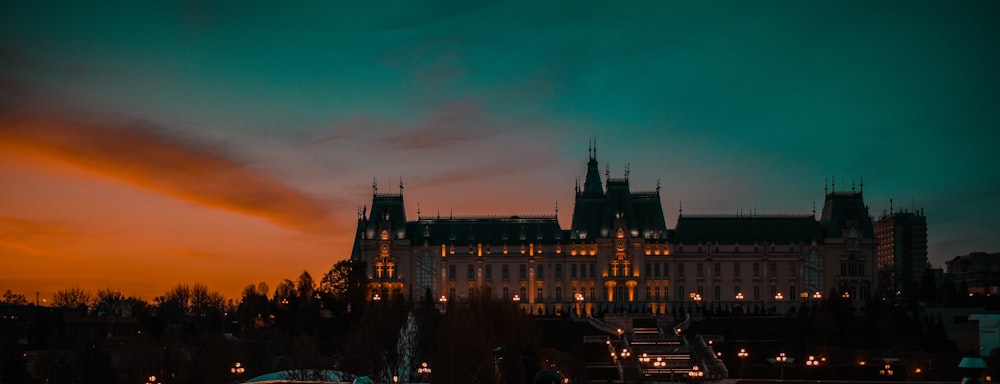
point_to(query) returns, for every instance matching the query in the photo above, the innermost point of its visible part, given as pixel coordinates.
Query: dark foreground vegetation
(193, 335)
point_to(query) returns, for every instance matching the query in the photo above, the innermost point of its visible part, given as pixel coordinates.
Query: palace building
(619, 254)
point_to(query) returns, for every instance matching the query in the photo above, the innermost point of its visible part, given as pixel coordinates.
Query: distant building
(902, 250)
(618, 254)
(980, 271)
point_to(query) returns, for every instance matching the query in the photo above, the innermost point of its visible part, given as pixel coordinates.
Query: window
(773, 270)
(472, 272)
(718, 293)
(524, 294)
(649, 269)
(791, 291)
(736, 269)
(489, 272)
(756, 292)
(522, 271)
(506, 292)
(700, 270)
(559, 274)
(680, 270)
(558, 294)
(717, 270)
(656, 270)
(592, 297)
(666, 269)
(657, 293)
(756, 269)
(591, 269)
(572, 271)
(539, 296)
(680, 293)
(792, 270)
(451, 272)
(505, 272)
(649, 293)
(540, 272)
(451, 294)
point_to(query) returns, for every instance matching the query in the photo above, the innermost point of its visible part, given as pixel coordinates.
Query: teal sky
(487, 107)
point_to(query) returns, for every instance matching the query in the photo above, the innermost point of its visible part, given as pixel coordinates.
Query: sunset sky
(145, 144)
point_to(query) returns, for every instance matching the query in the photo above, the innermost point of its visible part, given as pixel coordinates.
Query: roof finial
(826, 185)
(890, 206)
(418, 210)
(852, 185)
(657, 185)
(400, 185)
(862, 186)
(374, 186)
(607, 170)
(594, 153)
(833, 184)
(814, 209)
(627, 166)
(557, 209)
(680, 208)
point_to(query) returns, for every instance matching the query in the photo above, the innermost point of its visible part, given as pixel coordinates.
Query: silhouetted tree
(13, 298)
(75, 297)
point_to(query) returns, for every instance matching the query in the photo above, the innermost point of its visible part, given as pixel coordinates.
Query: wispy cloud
(149, 157)
(32, 236)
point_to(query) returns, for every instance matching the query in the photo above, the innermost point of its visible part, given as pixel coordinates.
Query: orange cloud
(144, 156)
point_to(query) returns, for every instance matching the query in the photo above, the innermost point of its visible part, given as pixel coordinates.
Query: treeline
(192, 334)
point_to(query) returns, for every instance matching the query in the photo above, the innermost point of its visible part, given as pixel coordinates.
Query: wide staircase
(640, 351)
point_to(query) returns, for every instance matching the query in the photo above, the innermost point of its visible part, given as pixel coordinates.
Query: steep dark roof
(387, 209)
(462, 231)
(842, 207)
(746, 229)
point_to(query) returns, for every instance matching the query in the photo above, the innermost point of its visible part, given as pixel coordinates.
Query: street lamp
(817, 295)
(517, 298)
(781, 361)
(739, 296)
(377, 297)
(696, 373)
(152, 380)
(237, 370)
(625, 353)
(813, 362)
(423, 371)
(579, 304)
(779, 296)
(743, 354)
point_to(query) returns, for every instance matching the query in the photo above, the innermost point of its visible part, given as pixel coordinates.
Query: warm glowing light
(517, 298)
(779, 296)
(376, 297)
(817, 295)
(739, 296)
(743, 354)
(443, 299)
(237, 369)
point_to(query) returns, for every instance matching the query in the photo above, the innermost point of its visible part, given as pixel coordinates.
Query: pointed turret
(592, 186)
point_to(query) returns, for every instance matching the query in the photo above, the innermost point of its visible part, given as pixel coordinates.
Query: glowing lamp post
(812, 361)
(443, 304)
(579, 304)
(779, 296)
(376, 297)
(152, 380)
(739, 296)
(237, 370)
(423, 371)
(781, 361)
(696, 373)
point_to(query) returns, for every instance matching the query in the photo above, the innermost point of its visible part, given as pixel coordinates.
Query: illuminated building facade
(619, 255)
